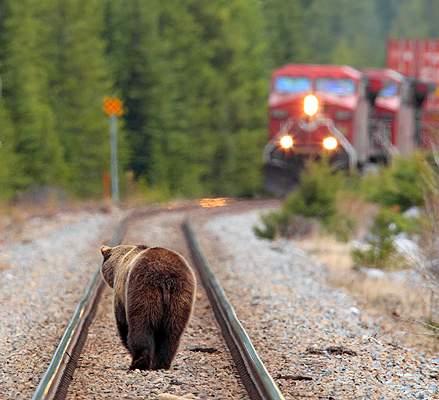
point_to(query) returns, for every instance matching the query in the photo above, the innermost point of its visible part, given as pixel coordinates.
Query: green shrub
(316, 193)
(315, 197)
(400, 184)
(271, 225)
(341, 226)
(381, 251)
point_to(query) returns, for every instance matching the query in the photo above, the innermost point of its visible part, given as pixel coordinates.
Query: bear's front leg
(121, 321)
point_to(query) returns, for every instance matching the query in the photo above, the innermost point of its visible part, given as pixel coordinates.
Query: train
(353, 117)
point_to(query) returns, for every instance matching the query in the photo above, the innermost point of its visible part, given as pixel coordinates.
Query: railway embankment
(315, 339)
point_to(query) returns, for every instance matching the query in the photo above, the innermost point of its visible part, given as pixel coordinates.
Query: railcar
(397, 118)
(418, 60)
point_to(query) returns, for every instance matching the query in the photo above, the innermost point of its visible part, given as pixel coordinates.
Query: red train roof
(384, 74)
(318, 71)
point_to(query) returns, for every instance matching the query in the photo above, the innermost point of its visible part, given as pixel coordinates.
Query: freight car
(418, 60)
(395, 121)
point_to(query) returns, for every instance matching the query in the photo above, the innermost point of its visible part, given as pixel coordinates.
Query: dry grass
(138, 193)
(358, 210)
(402, 310)
(14, 218)
(428, 263)
(4, 266)
(429, 243)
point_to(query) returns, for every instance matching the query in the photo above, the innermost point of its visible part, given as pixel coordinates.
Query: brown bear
(154, 291)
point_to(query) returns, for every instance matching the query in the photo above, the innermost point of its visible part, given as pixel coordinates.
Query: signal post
(113, 107)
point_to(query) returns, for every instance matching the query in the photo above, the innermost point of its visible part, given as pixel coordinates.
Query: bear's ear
(106, 252)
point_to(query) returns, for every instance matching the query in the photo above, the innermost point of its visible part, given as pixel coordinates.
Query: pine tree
(416, 19)
(234, 35)
(386, 11)
(79, 81)
(180, 115)
(9, 167)
(24, 73)
(134, 52)
(342, 32)
(159, 64)
(284, 21)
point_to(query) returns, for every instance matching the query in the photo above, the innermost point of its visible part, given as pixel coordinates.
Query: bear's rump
(159, 290)
(147, 297)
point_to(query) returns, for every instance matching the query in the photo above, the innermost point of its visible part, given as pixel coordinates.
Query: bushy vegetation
(314, 198)
(396, 189)
(399, 185)
(316, 193)
(321, 193)
(380, 250)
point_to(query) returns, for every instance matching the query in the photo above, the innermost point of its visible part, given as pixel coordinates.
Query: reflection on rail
(215, 202)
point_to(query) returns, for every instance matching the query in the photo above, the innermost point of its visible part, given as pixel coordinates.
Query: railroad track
(253, 375)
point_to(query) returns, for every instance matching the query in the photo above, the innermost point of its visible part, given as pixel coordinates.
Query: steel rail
(258, 382)
(55, 381)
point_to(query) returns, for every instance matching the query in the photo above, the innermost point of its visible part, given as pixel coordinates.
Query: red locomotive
(314, 109)
(352, 116)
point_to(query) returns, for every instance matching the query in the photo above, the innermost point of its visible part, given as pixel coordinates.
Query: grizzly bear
(154, 291)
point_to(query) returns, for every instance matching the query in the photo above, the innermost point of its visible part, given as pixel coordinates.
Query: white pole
(114, 171)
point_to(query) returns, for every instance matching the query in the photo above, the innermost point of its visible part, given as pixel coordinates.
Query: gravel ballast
(202, 369)
(314, 339)
(42, 278)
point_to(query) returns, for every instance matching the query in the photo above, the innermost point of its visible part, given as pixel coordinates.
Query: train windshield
(390, 90)
(339, 87)
(291, 85)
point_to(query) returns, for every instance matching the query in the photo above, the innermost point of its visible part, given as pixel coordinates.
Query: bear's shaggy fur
(154, 291)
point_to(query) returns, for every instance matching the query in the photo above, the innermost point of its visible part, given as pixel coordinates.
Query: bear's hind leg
(121, 322)
(166, 348)
(172, 327)
(142, 348)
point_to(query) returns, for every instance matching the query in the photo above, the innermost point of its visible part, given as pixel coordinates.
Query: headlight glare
(330, 143)
(310, 105)
(286, 142)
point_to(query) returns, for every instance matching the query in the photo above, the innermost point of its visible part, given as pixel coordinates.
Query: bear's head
(113, 258)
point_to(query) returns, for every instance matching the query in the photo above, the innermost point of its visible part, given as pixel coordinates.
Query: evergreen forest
(193, 76)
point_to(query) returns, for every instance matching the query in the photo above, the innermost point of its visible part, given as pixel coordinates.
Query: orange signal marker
(113, 106)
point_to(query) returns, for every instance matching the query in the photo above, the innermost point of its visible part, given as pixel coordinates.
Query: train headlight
(310, 105)
(330, 143)
(286, 142)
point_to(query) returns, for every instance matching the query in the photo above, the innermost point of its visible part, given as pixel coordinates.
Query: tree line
(193, 76)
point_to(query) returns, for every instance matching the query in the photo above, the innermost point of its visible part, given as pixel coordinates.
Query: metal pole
(114, 172)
